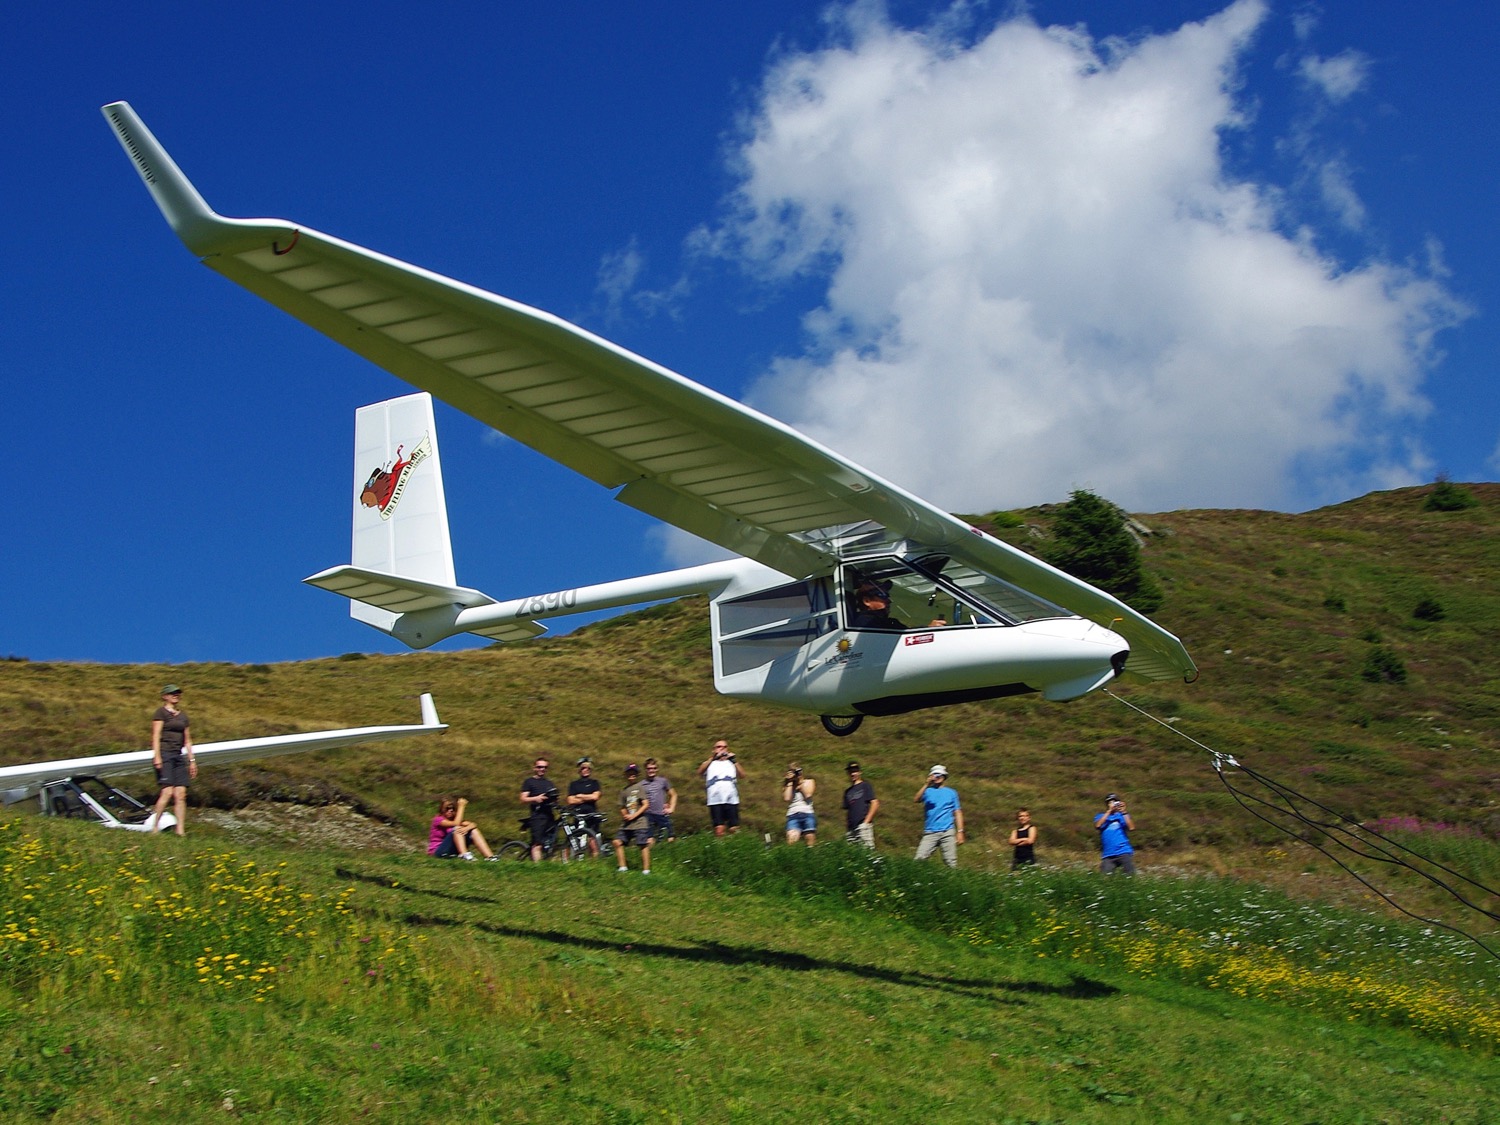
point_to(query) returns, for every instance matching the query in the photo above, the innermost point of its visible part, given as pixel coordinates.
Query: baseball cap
(1113, 797)
(941, 771)
(171, 689)
(584, 762)
(632, 768)
(851, 767)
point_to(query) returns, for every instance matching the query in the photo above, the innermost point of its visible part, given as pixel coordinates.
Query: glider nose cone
(1092, 656)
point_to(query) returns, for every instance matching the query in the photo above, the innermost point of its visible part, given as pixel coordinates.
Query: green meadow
(290, 975)
(173, 981)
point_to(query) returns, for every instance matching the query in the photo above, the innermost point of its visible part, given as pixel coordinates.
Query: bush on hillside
(1384, 666)
(1449, 497)
(1090, 541)
(1429, 609)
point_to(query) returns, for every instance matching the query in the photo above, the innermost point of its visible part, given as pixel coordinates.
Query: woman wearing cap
(172, 755)
(797, 792)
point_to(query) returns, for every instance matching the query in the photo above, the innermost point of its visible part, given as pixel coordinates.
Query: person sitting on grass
(452, 836)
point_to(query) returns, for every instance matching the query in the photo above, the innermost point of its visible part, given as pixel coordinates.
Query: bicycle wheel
(515, 849)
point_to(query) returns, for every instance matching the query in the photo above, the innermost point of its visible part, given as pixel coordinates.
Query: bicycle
(568, 840)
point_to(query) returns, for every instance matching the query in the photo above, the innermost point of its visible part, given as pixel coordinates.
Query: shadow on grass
(1077, 988)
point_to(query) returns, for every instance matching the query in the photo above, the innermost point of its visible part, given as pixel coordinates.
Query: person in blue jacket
(1115, 826)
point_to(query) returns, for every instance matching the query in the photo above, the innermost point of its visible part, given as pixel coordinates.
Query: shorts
(801, 822)
(1112, 863)
(542, 828)
(448, 847)
(726, 815)
(174, 771)
(640, 837)
(661, 825)
(862, 834)
(946, 840)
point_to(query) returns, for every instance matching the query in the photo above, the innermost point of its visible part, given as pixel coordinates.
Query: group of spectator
(646, 808)
(942, 820)
(647, 805)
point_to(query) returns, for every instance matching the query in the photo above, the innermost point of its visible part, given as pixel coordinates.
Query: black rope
(1341, 831)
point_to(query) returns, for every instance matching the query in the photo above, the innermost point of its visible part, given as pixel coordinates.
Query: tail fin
(401, 579)
(400, 512)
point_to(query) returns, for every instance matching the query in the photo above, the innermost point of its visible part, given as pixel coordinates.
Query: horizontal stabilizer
(399, 595)
(393, 592)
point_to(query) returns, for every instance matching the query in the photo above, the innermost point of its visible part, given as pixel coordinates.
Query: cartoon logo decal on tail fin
(383, 490)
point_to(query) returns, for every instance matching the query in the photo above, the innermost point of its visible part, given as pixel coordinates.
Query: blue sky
(1186, 254)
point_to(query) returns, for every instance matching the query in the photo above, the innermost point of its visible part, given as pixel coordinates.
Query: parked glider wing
(674, 449)
(20, 782)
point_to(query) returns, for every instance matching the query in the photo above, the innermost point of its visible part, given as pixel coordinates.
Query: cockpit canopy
(879, 593)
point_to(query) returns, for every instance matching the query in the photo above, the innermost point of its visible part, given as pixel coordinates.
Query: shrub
(1429, 609)
(1449, 497)
(1384, 666)
(1090, 541)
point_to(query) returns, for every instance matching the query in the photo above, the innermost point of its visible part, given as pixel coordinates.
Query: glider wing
(20, 782)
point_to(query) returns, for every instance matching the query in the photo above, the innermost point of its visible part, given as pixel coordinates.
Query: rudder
(400, 522)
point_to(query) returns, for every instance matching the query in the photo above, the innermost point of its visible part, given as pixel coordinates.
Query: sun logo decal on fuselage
(383, 490)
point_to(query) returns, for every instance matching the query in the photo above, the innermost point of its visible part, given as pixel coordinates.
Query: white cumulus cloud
(1041, 275)
(1339, 77)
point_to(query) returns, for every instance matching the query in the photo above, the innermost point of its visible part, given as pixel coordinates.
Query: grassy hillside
(1282, 613)
(220, 977)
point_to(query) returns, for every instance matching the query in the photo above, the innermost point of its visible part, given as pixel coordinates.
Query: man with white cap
(943, 826)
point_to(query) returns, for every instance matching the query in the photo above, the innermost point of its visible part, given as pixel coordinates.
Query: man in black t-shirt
(860, 807)
(539, 796)
(583, 799)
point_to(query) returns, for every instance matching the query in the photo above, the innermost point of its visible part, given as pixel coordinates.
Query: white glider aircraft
(833, 606)
(72, 786)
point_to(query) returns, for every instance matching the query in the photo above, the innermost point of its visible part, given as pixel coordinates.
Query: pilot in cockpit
(872, 607)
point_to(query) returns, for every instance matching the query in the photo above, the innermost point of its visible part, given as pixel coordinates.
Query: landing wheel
(841, 725)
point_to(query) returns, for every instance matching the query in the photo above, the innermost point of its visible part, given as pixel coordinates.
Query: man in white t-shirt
(722, 776)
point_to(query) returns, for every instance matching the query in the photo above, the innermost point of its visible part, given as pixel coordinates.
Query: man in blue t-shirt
(943, 826)
(1114, 825)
